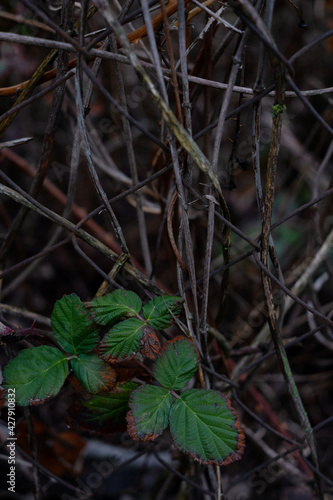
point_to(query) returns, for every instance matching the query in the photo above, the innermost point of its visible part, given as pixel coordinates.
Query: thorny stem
(279, 78)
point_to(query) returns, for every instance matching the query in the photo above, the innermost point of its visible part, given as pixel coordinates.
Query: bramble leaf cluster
(202, 422)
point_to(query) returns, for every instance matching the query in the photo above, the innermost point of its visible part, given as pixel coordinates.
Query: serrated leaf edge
(37, 401)
(114, 359)
(177, 338)
(234, 455)
(131, 425)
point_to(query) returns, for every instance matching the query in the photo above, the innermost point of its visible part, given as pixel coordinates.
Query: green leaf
(103, 413)
(123, 340)
(159, 311)
(111, 307)
(149, 415)
(72, 326)
(203, 424)
(36, 373)
(177, 363)
(93, 373)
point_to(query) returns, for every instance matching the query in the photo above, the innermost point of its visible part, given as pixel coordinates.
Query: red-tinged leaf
(204, 424)
(149, 415)
(122, 341)
(177, 363)
(36, 374)
(150, 345)
(93, 373)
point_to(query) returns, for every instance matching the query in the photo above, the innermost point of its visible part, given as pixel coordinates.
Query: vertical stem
(278, 108)
(226, 232)
(133, 167)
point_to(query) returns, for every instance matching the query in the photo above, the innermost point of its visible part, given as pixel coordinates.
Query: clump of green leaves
(39, 373)
(202, 422)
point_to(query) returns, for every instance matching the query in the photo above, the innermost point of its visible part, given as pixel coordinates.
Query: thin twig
(43, 42)
(46, 153)
(133, 168)
(23, 198)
